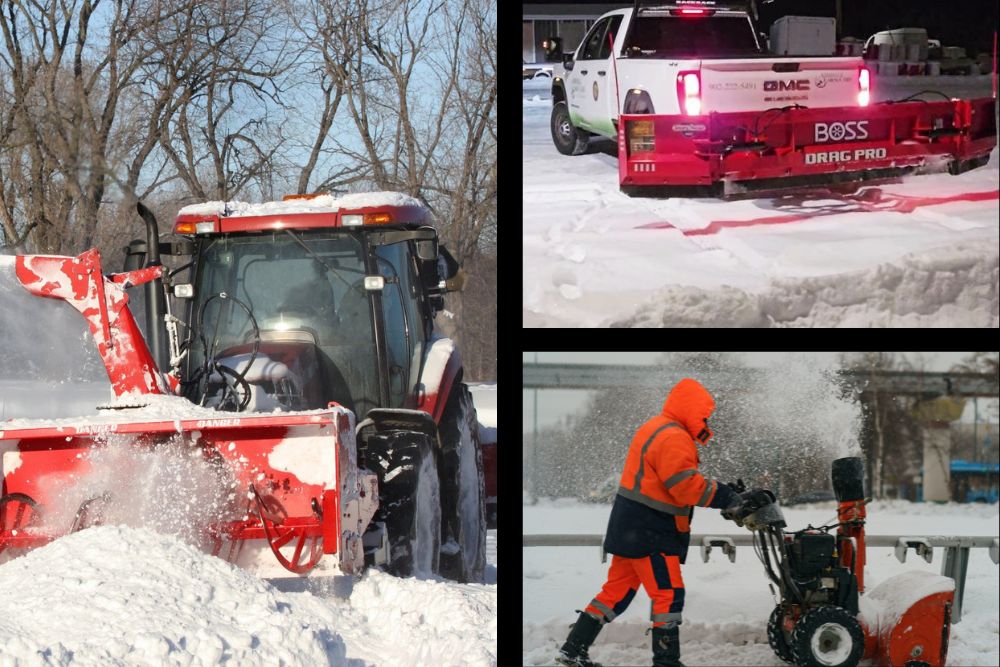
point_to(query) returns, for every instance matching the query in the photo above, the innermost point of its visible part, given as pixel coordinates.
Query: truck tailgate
(750, 85)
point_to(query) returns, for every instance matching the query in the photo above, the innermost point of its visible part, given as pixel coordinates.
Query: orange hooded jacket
(661, 483)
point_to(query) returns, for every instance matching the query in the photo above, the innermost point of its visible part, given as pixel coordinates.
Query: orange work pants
(659, 574)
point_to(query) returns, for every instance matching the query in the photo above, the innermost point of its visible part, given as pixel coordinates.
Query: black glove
(750, 502)
(738, 486)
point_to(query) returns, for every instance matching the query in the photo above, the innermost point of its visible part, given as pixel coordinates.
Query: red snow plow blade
(781, 148)
(291, 479)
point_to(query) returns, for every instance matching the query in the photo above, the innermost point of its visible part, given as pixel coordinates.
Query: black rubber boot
(666, 647)
(574, 651)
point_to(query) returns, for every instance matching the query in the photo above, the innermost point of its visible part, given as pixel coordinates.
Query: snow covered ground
(922, 252)
(727, 604)
(115, 596)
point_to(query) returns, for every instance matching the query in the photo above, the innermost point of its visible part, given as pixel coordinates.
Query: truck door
(592, 79)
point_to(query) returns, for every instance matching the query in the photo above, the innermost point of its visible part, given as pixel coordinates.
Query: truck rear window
(676, 37)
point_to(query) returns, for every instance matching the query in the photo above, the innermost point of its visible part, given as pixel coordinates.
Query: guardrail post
(956, 563)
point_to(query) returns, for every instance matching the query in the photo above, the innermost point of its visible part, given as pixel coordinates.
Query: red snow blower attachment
(823, 617)
(293, 478)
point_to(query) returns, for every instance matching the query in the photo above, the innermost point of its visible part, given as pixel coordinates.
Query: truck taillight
(689, 93)
(864, 87)
(640, 136)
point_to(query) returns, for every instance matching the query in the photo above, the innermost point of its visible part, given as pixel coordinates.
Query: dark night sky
(968, 23)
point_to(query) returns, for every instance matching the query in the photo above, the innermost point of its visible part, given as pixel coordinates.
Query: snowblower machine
(317, 386)
(823, 617)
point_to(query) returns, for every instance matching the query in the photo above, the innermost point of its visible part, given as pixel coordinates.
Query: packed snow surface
(921, 251)
(115, 596)
(727, 604)
(321, 204)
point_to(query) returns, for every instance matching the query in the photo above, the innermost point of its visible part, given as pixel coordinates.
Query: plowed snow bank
(949, 288)
(116, 595)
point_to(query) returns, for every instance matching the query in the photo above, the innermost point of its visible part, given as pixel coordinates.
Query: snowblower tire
(776, 636)
(463, 492)
(827, 637)
(409, 499)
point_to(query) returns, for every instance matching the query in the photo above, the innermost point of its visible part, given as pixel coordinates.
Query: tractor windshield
(306, 292)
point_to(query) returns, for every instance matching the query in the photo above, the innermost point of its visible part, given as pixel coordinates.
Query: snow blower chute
(295, 479)
(823, 617)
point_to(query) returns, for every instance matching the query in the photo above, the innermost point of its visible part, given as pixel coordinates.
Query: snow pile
(948, 288)
(485, 398)
(321, 204)
(115, 595)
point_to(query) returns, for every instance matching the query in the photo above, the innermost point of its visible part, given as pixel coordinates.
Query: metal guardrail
(597, 376)
(955, 564)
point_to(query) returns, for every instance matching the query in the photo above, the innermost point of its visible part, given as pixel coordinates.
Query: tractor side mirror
(427, 250)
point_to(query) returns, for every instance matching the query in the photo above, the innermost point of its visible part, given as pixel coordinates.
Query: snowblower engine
(818, 620)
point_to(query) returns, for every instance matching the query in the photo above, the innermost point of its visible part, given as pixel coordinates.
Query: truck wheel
(409, 500)
(827, 637)
(568, 139)
(776, 636)
(463, 509)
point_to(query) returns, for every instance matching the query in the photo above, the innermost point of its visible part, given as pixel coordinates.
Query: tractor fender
(442, 367)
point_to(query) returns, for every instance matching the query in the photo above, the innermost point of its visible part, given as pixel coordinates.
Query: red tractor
(308, 327)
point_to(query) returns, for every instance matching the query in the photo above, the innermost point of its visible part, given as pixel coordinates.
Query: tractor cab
(297, 303)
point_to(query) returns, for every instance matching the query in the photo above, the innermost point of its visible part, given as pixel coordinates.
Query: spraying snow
(171, 488)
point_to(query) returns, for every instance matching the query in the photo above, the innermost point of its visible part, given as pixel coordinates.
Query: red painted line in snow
(884, 202)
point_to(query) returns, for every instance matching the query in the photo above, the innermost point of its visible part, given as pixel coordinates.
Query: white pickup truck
(717, 107)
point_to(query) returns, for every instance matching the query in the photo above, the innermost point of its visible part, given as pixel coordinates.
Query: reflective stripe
(676, 510)
(605, 609)
(679, 477)
(642, 456)
(709, 490)
(664, 618)
(595, 616)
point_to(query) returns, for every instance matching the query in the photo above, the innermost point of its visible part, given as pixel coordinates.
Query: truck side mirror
(567, 59)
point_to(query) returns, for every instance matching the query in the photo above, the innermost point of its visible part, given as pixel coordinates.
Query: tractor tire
(463, 493)
(776, 636)
(827, 637)
(409, 500)
(569, 140)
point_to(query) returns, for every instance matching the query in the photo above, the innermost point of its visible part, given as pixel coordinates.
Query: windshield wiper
(317, 257)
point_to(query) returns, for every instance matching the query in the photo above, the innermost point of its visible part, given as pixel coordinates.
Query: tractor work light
(188, 227)
(352, 220)
(374, 283)
(640, 136)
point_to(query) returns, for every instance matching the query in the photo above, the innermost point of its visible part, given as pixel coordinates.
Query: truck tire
(463, 492)
(569, 140)
(827, 637)
(409, 499)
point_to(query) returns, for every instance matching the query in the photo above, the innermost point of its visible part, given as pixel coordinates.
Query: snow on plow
(291, 479)
(791, 146)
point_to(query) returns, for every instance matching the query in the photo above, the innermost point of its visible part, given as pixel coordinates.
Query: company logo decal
(852, 130)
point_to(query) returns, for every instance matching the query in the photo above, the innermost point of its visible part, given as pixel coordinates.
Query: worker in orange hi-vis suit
(650, 525)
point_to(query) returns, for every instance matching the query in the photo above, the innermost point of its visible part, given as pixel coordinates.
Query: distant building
(566, 22)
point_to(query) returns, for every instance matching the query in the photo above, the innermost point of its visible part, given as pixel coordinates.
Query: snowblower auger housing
(821, 618)
(739, 152)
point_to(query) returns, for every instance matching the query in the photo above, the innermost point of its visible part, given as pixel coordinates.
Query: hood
(690, 404)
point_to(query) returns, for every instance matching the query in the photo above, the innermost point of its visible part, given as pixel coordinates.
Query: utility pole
(534, 444)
